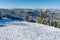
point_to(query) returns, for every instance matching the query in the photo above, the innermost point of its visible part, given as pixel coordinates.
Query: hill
(21, 30)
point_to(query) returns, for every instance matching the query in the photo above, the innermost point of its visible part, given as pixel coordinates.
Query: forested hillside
(49, 17)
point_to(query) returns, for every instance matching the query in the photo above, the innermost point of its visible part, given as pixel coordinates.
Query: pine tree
(25, 17)
(42, 17)
(55, 24)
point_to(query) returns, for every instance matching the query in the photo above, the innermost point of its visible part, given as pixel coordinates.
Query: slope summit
(28, 31)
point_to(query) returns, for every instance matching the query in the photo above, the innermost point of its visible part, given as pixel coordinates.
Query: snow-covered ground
(21, 30)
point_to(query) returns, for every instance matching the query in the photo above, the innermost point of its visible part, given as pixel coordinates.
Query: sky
(36, 4)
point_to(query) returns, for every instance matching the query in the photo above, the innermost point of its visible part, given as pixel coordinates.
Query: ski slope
(16, 30)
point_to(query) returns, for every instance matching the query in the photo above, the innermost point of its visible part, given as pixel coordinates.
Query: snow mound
(28, 31)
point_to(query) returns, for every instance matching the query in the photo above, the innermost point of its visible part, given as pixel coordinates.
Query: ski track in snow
(28, 31)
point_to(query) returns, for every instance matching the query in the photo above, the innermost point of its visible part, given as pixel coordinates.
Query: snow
(21, 30)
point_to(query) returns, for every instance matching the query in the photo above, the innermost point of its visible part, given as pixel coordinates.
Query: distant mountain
(33, 14)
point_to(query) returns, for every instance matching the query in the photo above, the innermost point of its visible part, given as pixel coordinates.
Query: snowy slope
(28, 31)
